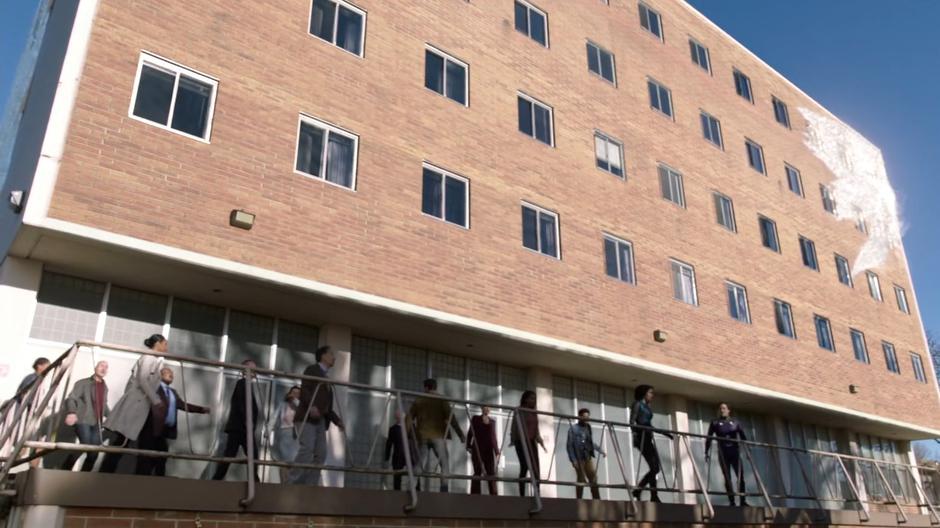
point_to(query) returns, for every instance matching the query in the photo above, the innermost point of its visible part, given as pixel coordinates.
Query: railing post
(863, 511)
(760, 483)
(615, 445)
(809, 483)
(884, 482)
(533, 469)
(406, 443)
(698, 476)
(922, 493)
(249, 435)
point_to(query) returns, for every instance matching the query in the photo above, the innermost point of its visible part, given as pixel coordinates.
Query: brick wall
(169, 189)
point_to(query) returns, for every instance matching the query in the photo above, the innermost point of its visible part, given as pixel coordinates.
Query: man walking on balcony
(313, 418)
(236, 427)
(85, 409)
(581, 448)
(430, 417)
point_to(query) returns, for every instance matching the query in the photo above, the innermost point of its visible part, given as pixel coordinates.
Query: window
(540, 230)
(339, 23)
(901, 296)
(445, 195)
(808, 250)
(660, 97)
(618, 258)
(173, 97)
(651, 21)
(742, 85)
(842, 269)
(700, 55)
(768, 233)
(711, 129)
(874, 286)
(755, 156)
(794, 180)
(532, 22)
(535, 119)
(860, 225)
(608, 154)
(683, 282)
(824, 333)
(784, 318)
(737, 302)
(670, 182)
(601, 62)
(918, 365)
(781, 114)
(828, 203)
(891, 358)
(858, 346)
(445, 75)
(724, 209)
(326, 152)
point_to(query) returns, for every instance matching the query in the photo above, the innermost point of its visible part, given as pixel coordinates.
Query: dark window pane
(310, 149)
(530, 236)
(249, 337)
(626, 257)
(434, 72)
(154, 93)
(610, 257)
(349, 31)
(547, 234)
(706, 131)
(666, 104)
(537, 27)
(694, 52)
(654, 94)
(456, 82)
(321, 19)
(296, 346)
(431, 193)
(593, 62)
(525, 116)
(543, 124)
(132, 314)
(654, 24)
(191, 112)
(339, 160)
(644, 17)
(196, 329)
(522, 18)
(456, 194)
(607, 66)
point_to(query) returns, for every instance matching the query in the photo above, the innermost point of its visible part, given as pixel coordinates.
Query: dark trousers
(110, 462)
(88, 435)
(151, 465)
(730, 460)
(234, 442)
(484, 465)
(647, 448)
(524, 466)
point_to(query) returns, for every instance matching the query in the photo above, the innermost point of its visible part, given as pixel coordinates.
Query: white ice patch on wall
(860, 189)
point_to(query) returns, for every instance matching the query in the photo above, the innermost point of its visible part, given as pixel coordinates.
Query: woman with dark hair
(129, 414)
(530, 423)
(285, 444)
(642, 414)
(725, 430)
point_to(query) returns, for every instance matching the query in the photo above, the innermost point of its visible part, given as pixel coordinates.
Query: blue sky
(877, 68)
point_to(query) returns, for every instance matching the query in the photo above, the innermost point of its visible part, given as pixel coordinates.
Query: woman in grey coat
(130, 412)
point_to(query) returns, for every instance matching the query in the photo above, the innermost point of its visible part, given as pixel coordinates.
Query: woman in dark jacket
(532, 438)
(642, 414)
(484, 449)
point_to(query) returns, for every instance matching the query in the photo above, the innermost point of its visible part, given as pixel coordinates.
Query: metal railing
(785, 475)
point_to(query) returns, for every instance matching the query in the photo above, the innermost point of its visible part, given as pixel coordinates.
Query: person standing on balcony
(314, 418)
(161, 425)
(531, 438)
(85, 409)
(642, 414)
(484, 450)
(725, 430)
(140, 394)
(39, 366)
(581, 448)
(236, 427)
(395, 449)
(285, 443)
(433, 422)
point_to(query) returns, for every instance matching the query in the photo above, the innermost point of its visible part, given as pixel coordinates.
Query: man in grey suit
(313, 418)
(85, 409)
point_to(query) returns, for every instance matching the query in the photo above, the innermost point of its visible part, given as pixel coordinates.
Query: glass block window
(196, 329)
(133, 316)
(67, 308)
(249, 337)
(296, 346)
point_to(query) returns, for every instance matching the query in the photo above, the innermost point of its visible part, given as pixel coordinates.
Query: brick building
(501, 194)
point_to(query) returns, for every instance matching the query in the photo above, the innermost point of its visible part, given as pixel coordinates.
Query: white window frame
(608, 139)
(825, 194)
(177, 69)
(618, 240)
(659, 87)
(613, 62)
(681, 185)
(466, 191)
(721, 137)
(799, 179)
(786, 111)
(832, 339)
(874, 287)
(662, 32)
(848, 270)
(351, 7)
(739, 290)
(528, 15)
(885, 347)
(330, 129)
(760, 151)
(682, 265)
(708, 55)
(717, 198)
(551, 119)
(466, 77)
(901, 297)
(750, 87)
(917, 364)
(538, 231)
(853, 332)
(790, 313)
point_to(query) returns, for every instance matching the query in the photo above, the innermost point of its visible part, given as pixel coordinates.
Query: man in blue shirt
(581, 449)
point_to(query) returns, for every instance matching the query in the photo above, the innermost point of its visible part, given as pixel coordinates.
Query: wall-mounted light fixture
(16, 201)
(241, 219)
(660, 336)
(854, 389)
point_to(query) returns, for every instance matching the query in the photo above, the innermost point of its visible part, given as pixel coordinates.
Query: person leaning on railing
(531, 439)
(314, 418)
(431, 419)
(85, 409)
(642, 414)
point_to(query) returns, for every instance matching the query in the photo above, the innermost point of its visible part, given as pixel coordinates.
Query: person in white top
(285, 445)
